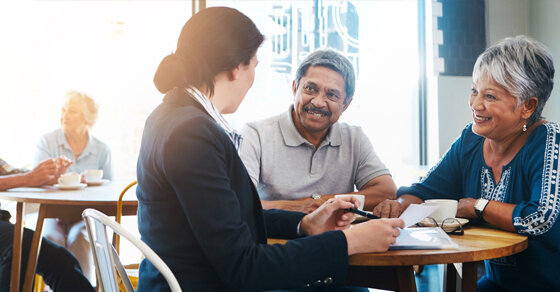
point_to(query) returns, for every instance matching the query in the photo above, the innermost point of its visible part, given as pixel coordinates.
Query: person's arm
(43, 173)
(305, 205)
(496, 213)
(377, 190)
(372, 176)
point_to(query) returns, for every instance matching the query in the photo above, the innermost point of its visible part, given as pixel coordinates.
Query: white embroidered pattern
(489, 190)
(544, 217)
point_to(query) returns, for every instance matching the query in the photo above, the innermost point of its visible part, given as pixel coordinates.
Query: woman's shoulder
(545, 133)
(54, 136)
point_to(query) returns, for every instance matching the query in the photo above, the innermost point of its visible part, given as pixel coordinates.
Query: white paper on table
(416, 213)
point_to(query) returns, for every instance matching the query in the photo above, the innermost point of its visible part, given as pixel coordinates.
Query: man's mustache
(315, 109)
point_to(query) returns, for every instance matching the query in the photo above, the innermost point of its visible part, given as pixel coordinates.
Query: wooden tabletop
(477, 244)
(392, 270)
(108, 192)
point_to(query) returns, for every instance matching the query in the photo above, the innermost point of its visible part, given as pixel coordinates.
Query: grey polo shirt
(285, 166)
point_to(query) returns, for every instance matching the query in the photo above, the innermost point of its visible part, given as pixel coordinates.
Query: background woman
(198, 208)
(503, 169)
(74, 140)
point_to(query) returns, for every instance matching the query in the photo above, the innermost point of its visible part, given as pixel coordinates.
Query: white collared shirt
(216, 115)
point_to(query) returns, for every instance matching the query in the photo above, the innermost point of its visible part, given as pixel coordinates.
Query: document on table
(416, 213)
(421, 238)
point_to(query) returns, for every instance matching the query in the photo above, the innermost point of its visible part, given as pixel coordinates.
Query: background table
(54, 203)
(393, 270)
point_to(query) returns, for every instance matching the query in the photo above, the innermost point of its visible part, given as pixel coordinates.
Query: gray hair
(90, 107)
(522, 66)
(333, 60)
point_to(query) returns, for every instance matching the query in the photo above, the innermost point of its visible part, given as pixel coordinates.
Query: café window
(110, 50)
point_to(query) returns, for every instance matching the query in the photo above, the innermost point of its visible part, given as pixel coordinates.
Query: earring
(524, 127)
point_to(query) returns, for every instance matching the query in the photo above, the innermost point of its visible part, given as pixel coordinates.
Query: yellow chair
(39, 284)
(117, 240)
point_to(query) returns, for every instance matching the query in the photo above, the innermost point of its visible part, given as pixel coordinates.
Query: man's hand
(373, 236)
(42, 174)
(394, 208)
(388, 209)
(306, 205)
(330, 216)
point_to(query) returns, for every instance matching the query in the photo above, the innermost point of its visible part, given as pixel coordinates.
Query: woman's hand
(373, 236)
(330, 216)
(465, 209)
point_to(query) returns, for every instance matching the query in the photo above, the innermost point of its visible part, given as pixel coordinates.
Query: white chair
(106, 259)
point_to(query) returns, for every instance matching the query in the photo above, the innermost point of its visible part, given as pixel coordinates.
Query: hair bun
(170, 73)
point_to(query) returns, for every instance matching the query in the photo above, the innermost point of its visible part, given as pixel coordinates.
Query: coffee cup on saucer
(446, 209)
(93, 175)
(69, 179)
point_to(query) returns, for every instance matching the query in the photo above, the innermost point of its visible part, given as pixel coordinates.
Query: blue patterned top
(96, 155)
(530, 181)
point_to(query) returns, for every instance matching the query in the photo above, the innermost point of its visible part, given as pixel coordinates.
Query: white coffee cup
(69, 179)
(92, 175)
(362, 198)
(446, 208)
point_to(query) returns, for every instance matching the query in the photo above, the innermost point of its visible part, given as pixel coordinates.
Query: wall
(536, 18)
(543, 25)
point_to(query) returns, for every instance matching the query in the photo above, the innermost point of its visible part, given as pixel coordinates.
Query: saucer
(97, 182)
(69, 187)
(429, 223)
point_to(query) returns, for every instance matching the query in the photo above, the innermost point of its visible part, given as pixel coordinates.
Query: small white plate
(69, 187)
(97, 182)
(429, 223)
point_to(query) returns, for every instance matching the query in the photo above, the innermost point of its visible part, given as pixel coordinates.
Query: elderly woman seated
(503, 168)
(75, 141)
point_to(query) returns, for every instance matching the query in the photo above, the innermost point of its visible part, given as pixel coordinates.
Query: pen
(360, 212)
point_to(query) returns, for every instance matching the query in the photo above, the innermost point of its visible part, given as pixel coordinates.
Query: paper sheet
(416, 213)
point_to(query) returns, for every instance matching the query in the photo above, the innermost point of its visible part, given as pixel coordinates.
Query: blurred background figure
(74, 140)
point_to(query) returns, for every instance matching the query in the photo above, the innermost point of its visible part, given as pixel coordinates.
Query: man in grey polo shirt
(302, 157)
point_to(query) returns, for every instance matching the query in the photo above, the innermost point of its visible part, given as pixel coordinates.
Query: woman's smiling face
(495, 111)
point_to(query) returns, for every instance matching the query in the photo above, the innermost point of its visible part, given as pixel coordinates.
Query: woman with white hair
(504, 168)
(73, 140)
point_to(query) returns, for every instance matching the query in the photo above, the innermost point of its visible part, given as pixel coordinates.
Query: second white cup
(362, 198)
(93, 175)
(446, 209)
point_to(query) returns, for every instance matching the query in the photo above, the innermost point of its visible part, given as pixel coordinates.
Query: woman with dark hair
(198, 208)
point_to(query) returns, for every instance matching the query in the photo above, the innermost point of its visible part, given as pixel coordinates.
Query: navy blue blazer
(200, 212)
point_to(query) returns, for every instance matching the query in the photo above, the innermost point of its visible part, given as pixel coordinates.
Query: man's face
(318, 100)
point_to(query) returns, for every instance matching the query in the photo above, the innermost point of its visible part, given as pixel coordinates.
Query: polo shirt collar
(293, 138)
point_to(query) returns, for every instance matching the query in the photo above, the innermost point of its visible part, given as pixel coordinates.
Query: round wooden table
(54, 203)
(393, 270)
